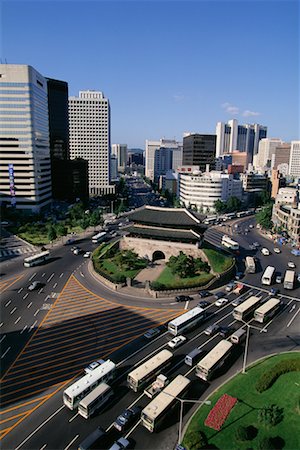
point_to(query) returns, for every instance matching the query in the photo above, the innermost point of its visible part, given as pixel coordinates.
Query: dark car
(127, 418)
(35, 285)
(224, 332)
(275, 291)
(239, 275)
(183, 298)
(203, 294)
(203, 304)
(219, 294)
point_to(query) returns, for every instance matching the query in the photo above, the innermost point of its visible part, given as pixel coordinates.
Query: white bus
(229, 243)
(245, 308)
(267, 310)
(36, 259)
(149, 369)
(155, 411)
(213, 360)
(268, 276)
(99, 237)
(78, 390)
(94, 400)
(186, 320)
(289, 279)
(250, 264)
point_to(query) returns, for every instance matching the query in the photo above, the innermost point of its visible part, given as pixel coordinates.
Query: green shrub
(269, 377)
(269, 416)
(245, 433)
(157, 286)
(195, 440)
(265, 443)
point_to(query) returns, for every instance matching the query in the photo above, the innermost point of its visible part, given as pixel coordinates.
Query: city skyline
(166, 67)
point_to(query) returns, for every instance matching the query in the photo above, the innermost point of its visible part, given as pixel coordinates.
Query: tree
(270, 415)
(195, 440)
(233, 204)
(220, 206)
(61, 229)
(201, 266)
(51, 233)
(182, 265)
(264, 217)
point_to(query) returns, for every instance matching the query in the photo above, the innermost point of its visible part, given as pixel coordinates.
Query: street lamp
(264, 330)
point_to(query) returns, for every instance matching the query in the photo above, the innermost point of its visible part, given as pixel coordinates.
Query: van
(193, 357)
(98, 436)
(238, 336)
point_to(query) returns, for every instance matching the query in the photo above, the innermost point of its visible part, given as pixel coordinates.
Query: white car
(251, 225)
(291, 264)
(265, 251)
(221, 302)
(277, 250)
(87, 254)
(177, 341)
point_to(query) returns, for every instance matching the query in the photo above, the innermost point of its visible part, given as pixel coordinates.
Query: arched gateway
(158, 254)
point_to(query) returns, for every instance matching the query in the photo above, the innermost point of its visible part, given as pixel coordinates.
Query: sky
(167, 67)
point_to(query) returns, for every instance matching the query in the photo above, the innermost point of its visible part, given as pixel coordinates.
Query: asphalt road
(34, 416)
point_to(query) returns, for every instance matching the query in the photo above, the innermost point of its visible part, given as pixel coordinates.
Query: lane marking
(20, 290)
(44, 274)
(29, 304)
(72, 442)
(1, 324)
(3, 337)
(25, 296)
(13, 310)
(54, 286)
(132, 429)
(294, 316)
(8, 303)
(41, 290)
(186, 304)
(292, 308)
(23, 329)
(5, 353)
(50, 278)
(18, 320)
(74, 417)
(61, 275)
(32, 276)
(37, 311)
(43, 447)
(39, 427)
(33, 325)
(81, 274)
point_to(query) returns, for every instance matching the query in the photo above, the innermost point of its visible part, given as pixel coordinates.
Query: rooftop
(167, 216)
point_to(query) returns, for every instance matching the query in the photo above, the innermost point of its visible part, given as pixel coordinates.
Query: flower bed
(220, 411)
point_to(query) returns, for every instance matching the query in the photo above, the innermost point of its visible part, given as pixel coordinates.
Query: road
(79, 321)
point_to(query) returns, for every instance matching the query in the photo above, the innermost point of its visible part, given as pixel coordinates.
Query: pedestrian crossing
(17, 251)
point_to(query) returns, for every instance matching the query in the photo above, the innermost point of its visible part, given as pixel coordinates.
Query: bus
(210, 220)
(267, 310)
(144, 373)
(229, 216)
(289, 279)
(94, 400)
(229, 243)
(99, 237)
(250, 264)
(245, 309)
(206, 368)
(186, 321)
(37, 259)
(153, 414)
(82, 387)
(268, 276)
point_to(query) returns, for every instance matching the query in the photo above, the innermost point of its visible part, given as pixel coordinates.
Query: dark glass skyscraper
(199, 150)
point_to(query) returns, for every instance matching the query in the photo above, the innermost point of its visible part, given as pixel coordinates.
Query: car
(237, 301)
(87, 254)
(224, 332)
(120, 444)
(221, 302)
(127, 418)
(74, 248)
(77, 251)
(265, 251)
(278, 279)
(219, 294)
(152, 333)
(274, 291)
(230, 286)
(212, 329)
(291, 264)
(239, 275)
(70, 241)
(203, 294)
(35, 285)
(276, 250)
(295, 252)
(93, 365)
(251, 225)
(183, 298)
(246, 230)
(203, 304)
(177, 341)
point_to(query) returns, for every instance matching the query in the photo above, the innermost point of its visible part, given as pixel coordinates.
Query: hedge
(269, 377)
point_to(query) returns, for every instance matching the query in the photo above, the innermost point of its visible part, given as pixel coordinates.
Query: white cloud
(230, 109)
(248, 113)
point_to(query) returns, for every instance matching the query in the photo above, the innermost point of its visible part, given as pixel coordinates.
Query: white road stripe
(44, 274)
(32, 276)
(43, 447)
(73, 440)
(41, 290)
(61, 275)
(54, 286)
(18, 320)
(5, 353)
(50, 278)
(3, 337)
(1, 324)
(132, 429)
(25, 296)
(39, 427)
(33, 325)
(23, 329)
(37, 311)
(13, 310)
(8, 303)
(293, 318)
(29, 304)
(74, 417)
(20, 290)
(186, 305)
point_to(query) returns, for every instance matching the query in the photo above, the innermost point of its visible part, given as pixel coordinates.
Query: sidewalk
(150, 273)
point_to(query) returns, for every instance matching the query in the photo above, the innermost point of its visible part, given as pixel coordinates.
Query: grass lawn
(284, 393)
(218, 261)
(35, 238)
(112, 269)
(173, 281)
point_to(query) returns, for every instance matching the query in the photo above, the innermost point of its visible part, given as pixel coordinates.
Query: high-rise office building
(199, 150)
(266, 149)
(153, 146)
(294, 163)
(25, 168)
(89, 123)
(245, 138)
(281, 158)
(120, 151)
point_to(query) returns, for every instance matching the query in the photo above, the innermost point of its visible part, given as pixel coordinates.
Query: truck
(158, 385)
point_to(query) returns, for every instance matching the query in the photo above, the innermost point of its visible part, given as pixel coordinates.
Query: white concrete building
(120, 151)
(266, 149)
(150, 151)
(204, 189)
(294, 164)
(89, 122)
(25, 169)
(286, 195)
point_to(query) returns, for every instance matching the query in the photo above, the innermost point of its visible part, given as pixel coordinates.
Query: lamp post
(247, 342)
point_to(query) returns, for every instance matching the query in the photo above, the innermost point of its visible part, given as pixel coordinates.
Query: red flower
(220, 411)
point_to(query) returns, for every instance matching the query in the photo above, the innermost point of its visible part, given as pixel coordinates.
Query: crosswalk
(24, 250)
